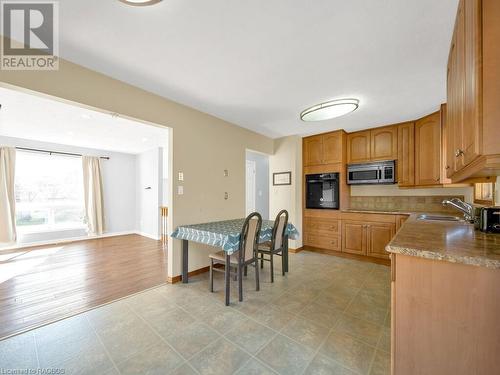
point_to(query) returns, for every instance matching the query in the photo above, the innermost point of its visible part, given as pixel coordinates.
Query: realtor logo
(30, 32)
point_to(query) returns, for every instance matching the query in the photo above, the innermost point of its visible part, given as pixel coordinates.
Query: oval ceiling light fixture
(140, 2)
(329, 110)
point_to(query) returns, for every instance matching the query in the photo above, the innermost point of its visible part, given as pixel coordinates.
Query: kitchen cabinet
(358, 147)
(367, 233)
(313, 150)
(367, 238)
(332, 147)
(323, 149)
(378, 236)
(428, 150)
(400, 219)
(406, 154)
(473, 93)
(384, 143)
(322, 233)
(371, 145)
(354, 237)
(464, 79)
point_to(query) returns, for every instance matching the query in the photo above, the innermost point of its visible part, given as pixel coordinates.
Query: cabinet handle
(437, 179)
(447, 167)
(459, 153)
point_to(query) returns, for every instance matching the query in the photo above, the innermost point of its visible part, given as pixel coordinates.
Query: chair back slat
(249, 237)
(279, 229)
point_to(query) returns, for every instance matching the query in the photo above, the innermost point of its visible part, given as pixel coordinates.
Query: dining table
(226, 235)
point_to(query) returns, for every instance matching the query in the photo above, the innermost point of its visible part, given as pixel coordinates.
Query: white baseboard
(66, 240)
(156, 238)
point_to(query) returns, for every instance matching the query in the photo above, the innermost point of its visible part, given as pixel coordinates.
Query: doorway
(257, 183)
(55, 258)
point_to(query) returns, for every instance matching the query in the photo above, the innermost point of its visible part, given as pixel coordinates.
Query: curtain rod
(56, 152)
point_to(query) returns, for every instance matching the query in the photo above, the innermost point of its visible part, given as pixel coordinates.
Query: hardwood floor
(43, 284)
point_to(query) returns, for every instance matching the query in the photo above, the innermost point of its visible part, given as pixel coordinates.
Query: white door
(250, 187)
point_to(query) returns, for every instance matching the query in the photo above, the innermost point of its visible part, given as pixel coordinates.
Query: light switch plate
(226, 173)
(226, 195)
(180, 190)
(181, 176)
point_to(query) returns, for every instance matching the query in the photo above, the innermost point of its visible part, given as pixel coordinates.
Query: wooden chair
(246, 254)
(277, 244)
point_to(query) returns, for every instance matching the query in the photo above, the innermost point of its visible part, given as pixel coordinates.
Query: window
(49, 192)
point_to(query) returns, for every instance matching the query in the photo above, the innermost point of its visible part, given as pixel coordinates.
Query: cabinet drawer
(323, 242)
(322, 226)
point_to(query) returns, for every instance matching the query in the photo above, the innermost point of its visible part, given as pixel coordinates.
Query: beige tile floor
(329, 315)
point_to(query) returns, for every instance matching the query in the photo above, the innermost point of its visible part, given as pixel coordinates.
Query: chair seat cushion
(265, 246)
(221, 257)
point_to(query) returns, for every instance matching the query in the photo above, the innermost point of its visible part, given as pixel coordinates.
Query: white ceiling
(32, 117)
(259, 63)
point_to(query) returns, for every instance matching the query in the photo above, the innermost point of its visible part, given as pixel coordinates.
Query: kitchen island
(445, 299)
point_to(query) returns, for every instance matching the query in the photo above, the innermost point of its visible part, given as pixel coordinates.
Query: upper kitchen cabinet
(473, 92)
(371, 145)
(323, 149)
(428, 150)
(384, 143)
(406, 154)
(313, 150)
(332, 147)
(358, 147)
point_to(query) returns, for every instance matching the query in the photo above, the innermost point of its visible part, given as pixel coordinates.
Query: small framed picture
(282, 178)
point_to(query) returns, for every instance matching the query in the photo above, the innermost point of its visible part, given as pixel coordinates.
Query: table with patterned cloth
(226, 235)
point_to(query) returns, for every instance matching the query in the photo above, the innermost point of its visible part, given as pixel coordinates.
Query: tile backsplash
(401, 203)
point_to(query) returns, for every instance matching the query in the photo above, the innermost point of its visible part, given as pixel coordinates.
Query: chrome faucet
(466, 208)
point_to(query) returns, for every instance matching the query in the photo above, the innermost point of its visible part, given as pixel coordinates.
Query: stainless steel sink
(438, 218)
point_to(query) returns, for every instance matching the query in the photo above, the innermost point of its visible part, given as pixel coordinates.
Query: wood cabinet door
(379, 235)
(472, 124)
(458, 88)
(400, 219)
(358, 147)
(384, 143)
(354, 237)
(406, 154)
(428, 150)
(313, 150)
(332, 148)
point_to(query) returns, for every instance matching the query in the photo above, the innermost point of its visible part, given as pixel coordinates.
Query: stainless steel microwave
(379, 172)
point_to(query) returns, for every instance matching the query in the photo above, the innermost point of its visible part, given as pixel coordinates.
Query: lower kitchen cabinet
(323, 233)
(400, 220)
(358, 233)
(354, 237)
(378, 236)
(366, 237)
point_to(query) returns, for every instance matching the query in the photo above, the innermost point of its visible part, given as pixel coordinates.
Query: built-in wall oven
(379, 172)
(322, 190)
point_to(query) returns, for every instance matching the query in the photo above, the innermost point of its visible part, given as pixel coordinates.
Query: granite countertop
(456, 242)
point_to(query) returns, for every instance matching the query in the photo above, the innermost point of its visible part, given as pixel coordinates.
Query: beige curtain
(7, 195)
(93, 193)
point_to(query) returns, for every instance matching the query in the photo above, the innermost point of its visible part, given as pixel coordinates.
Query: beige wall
(202, 145)
(287, 157)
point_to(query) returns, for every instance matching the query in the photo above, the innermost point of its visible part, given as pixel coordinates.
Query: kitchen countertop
(456, 242)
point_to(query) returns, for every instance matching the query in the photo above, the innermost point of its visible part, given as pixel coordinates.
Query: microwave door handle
(379, 173)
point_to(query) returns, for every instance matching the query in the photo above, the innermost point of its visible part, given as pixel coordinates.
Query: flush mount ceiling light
(329, 110)
(140, 2)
